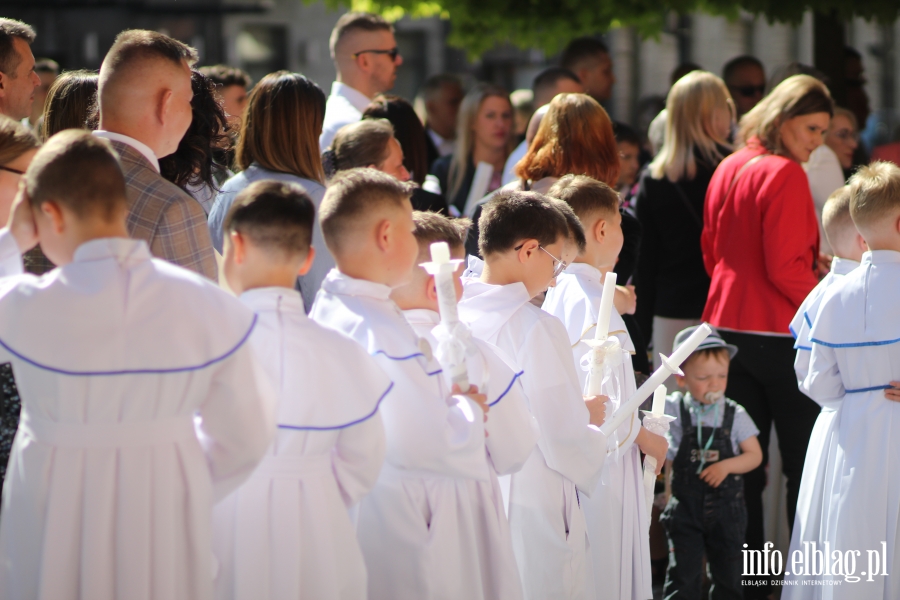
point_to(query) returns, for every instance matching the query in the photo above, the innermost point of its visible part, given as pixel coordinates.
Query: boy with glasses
(525, 240)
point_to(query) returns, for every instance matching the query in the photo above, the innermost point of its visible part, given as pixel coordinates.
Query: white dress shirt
(509, 168)
(137, 145)
(345, 105)
(825, 177)
(444, 147)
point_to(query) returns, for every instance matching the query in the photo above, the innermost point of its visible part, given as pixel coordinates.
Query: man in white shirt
(145, 109)
(443, 95)
(548, 83)
(17, 77)
(366, 57)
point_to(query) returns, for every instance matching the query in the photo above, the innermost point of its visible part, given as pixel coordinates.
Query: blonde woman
(483, 134)
(671, 282)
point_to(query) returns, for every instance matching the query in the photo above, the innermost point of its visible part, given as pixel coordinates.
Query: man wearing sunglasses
(746, 80)
(366, 57)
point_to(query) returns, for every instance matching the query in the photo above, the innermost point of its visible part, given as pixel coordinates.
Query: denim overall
(700, 517)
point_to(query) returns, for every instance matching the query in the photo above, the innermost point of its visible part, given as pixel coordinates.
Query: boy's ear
(53, 211)
(240, 246)
(679, 379)
(383, 234)
(861, 242)
(526, 250)
(430, 288)
(599, 230)
(308, 262)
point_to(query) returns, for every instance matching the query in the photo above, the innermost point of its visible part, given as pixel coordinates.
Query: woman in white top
(280, 140)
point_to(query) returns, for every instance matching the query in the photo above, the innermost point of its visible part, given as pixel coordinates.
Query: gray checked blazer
(171, 222)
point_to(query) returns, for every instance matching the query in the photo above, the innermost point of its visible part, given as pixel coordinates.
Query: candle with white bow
(656, 421)
(599, 345)
(670, 366)
(443, 268)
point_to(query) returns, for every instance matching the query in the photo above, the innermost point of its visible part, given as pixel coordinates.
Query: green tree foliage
(479, 25)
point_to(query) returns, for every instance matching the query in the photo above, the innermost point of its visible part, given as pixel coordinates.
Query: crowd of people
(315, 437)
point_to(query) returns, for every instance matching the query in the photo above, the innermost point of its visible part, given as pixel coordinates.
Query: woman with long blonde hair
(483, 134)
(671, 280)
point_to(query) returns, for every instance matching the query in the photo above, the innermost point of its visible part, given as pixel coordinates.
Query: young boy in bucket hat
(712, 442)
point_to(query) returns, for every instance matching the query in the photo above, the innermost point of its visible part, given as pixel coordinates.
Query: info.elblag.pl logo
(811, 561)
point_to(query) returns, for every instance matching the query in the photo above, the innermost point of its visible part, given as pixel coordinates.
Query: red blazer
(760, 245)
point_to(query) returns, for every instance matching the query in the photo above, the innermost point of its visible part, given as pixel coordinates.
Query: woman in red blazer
(760, 245)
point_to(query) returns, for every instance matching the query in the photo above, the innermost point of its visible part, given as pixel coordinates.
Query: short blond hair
(355, 195)
(836, 220)
(874, 193)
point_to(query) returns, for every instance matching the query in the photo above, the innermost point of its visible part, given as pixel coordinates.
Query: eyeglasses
(393, 53)
(748, 91)
(558, 265)
(11, 170)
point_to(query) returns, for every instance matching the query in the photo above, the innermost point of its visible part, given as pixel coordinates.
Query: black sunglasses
(393, 52)
(11, 170)
(748, 91)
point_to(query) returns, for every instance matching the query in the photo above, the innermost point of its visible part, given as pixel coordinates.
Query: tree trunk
(828, 52)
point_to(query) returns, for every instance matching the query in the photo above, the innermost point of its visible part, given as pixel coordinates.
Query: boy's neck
(496, 273)
(268, 278)
(364, 271)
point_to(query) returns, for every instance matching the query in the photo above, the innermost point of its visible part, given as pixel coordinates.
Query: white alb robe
(617, 520)
(512, 434)
(855, 340)
(286, 532)
(118, 358)
(413, 525)
(545, 517)
(817, 468)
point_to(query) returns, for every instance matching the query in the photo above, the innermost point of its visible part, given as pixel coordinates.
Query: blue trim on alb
(345, 425)
(509, 387)
(398, 358)
(869, 389)
(133, 371)
(854, 344)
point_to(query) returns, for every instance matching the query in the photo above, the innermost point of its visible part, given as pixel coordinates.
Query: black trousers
(762, 380)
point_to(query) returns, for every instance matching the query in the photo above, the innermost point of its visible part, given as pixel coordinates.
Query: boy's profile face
(540, 266)
(403, 252)
(705, 377)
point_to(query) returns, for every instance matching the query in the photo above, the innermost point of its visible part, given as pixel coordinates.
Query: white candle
(659, 401)
(606, 304)
(689, 345)
(443, 268)
(669, 366)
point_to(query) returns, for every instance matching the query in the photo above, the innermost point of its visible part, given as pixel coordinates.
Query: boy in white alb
(848, 247)
(141, 402)
(617, 520)
(854, 367)
(413, 525)
(512, 432)
(523, 237)
(286, 533)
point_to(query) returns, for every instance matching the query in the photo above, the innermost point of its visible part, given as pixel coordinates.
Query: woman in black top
(670, 278)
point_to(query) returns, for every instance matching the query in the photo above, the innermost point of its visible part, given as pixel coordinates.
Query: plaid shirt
(171, 222)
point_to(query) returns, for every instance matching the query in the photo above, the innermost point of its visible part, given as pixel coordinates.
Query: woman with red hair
(575, 137)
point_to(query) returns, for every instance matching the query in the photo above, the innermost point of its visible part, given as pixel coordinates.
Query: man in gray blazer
(145, 109)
